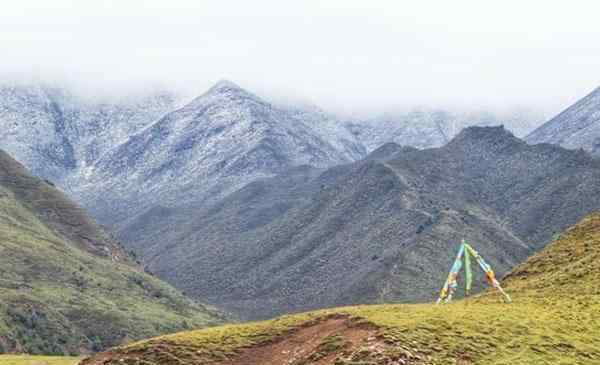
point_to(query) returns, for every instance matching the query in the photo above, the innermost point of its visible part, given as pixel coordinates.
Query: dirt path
(334, 339)
(315, 343)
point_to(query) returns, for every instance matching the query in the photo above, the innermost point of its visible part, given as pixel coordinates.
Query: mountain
(553, 319)
(427, 128)
(210, 147)
(124, 156)
(380, 229)
(66, 286)
(56, 132)
(576, 127)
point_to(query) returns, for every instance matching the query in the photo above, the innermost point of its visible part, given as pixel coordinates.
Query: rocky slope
(68, 287)
(576, 127)
(384, 228)
(553, 319)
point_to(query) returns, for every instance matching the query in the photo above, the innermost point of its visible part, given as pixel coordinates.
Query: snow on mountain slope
(426, 128)
(217, 143)
(33, 129)
(576, 127)
(57, 133)
(122, 156)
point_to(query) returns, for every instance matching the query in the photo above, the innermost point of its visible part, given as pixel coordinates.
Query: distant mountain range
(66, 286)
(122, 156)
(210, 147)
(426, 128)
(380, 229)
(576, 127)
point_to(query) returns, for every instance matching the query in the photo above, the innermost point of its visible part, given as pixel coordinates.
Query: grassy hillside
(38, 360)
(65, 286)
(554, 319)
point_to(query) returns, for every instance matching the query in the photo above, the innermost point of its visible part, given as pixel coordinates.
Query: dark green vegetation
(65, 285)
(554, 319)
(384, 229)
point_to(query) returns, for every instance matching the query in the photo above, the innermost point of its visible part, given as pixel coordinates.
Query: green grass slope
(65, 286)
(38, 360)
(554, 319)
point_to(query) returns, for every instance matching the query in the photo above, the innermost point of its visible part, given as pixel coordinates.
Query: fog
(347, 56)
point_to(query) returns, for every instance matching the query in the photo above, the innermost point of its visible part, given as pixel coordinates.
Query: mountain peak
(484, 133)
(223, 85)
(223, 89)
(388, 151)
(484, 139)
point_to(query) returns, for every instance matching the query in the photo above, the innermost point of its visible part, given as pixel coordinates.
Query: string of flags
(464, 255)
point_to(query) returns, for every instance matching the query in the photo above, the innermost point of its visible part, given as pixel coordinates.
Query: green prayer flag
(468, 273)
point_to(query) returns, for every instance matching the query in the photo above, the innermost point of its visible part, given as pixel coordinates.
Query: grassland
(38, 360)
(554, 319)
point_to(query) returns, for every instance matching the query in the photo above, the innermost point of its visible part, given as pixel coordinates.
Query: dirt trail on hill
(338, 339)
(315, 343)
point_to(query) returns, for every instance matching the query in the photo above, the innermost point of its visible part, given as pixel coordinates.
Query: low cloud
(343, 55)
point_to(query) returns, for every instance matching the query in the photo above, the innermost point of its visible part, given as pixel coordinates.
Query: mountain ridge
(578, 126)
(370, 230)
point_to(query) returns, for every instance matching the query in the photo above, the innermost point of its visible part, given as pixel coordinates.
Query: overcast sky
(346, 55)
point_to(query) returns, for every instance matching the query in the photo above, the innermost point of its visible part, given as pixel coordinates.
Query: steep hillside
(65, 285)
(576, 127)
(214, 145)
(382, 229)
(553, 319)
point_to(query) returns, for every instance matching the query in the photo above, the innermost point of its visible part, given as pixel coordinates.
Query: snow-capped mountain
(56, 133)
(33, 129)
(214, 145)
(576, 127)
(122, 156)
(426, 128)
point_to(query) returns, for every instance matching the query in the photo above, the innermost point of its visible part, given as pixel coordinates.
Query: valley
(299, 183)
(250, 210)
